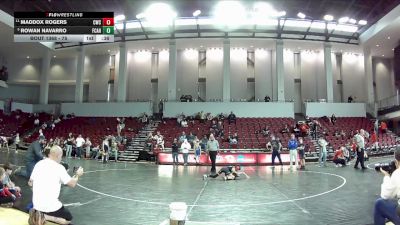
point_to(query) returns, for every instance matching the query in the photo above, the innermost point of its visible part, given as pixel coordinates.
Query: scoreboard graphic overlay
(64, 26)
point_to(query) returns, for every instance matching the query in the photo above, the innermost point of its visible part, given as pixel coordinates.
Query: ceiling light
(388, 37)
(352, 21)
(230, 13)
(159, 15)
(362, 22)
(201, 46)
(383, 55)
(54, 56)
(377, 45)
(140, 16)
(196, 13)
(301, 15)
(28, 57)
(119, 18)
(392, 49)
(281, 13)
(344, 19)
(109, 50)
(328, 17)
(251, 46)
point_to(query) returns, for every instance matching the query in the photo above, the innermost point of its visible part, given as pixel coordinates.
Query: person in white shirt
(386, 207)
(79, 143)
(185, 147)
(160, 142)
(17, 141)
(46, 180)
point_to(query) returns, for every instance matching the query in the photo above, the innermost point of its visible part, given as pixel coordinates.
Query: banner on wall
(226, 158)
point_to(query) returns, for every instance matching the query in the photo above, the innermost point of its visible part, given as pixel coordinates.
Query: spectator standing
(88, 144)
(322, 151)
(79, 144)
(302, 149)
(212, 149)
(17, 141)
(34, 155)
(292, 146)
(70, 142)
(185, 147)
(197, 150)
(175, 152)
(276, 147)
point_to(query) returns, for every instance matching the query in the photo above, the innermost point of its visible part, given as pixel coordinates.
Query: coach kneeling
(46, 179)
(386, 207)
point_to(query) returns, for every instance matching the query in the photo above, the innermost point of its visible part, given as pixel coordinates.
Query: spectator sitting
(304, 129)
(95, 152)
(231, 118)
(267, 99)
(44, 126)
(221, 116)
(182, 137)
(36, 122)
(346, 154)
(184, 123)
(41, 135)
(285, 130)
(6, 197)
(202, 117)
(220, 129)
(144, 118)
(343, 134)
(203, 142)
(339, 158)
(190, 137)
(265, 131)
(383, 127)
(350, 99)
(337, 134)
(214, 126)
(209, 117)
(15, 190)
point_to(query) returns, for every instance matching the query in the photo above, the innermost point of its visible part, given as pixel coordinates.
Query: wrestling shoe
(204, 176)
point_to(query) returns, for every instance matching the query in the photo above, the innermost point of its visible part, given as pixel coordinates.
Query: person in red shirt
(383, 127)
(374, 141)
(339, 159)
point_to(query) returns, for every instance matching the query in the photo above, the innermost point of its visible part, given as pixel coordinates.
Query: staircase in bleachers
(137, 144)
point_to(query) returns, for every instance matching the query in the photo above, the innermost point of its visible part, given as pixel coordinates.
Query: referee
(212, 149)
(360, 142)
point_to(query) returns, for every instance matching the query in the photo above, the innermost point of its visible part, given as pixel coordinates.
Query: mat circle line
(224, 205)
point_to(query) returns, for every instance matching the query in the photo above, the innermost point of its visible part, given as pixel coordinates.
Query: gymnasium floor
(139, 193)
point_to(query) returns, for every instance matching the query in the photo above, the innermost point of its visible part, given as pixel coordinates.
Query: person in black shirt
(276, 146)
(301, 150)
(175, 151)
(231, 118)
(34, 155)
(333, 119)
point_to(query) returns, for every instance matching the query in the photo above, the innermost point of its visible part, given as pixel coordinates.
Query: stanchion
(178, 213)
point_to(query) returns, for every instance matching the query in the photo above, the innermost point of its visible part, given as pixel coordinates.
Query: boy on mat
(230, 173)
